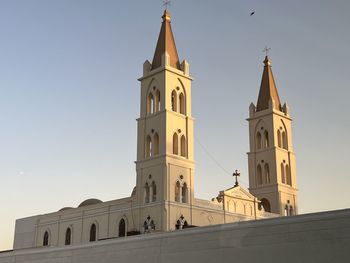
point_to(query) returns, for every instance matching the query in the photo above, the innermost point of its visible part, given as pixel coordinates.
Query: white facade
(271, 159)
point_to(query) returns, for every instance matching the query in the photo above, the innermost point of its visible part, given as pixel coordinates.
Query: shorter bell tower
(271, 159)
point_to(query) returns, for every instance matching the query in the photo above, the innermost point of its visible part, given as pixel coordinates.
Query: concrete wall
(25, 232)
(319, 237)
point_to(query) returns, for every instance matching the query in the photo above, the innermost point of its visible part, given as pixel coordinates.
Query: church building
(164, 199)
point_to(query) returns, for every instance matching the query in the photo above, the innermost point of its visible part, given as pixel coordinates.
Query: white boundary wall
(318, 237)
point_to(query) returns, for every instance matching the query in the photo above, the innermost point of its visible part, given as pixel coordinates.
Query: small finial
(166, 16)
(267, 61)
(236, 174)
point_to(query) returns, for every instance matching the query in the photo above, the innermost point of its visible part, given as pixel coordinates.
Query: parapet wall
(318, 237)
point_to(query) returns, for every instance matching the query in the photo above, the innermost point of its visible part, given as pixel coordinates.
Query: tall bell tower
(165, 165)
(271, 160)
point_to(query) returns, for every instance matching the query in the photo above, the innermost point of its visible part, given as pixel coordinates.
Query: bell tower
(271, 160)
(165, 165)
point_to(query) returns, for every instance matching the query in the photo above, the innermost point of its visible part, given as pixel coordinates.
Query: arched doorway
(122, 228)
(265, 204)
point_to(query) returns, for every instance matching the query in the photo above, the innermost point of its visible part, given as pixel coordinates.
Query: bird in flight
(252, 13)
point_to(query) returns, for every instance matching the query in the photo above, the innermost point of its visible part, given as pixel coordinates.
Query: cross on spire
(236, 173)
(266, 50)
(166, 3)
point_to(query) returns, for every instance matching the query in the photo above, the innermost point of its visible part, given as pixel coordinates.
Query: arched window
(266, 139)
(265, 204)
(147, 192)
(46, 239)
(93, 233)
(157, 101)
(279, 138)
(68, 238)
(283, 174)
(267, 173)
(284, 140)
(258, 140)
(156, 144)
(154, 192)
(148, 146)
(175, 144)
(183, 146)
(174, 101)
(239, 207)
(184, 193)
(182, 103)
(249, 210)
(177, 191)
(122, 228)
(289, 179)
(150, 103)
(181, 223)
(149, 225)
(259, 175)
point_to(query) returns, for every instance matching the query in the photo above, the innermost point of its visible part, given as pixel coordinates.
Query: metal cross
(166, 3)
(236, 173)
(266, 50)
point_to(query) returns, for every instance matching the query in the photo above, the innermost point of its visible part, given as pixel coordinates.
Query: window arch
(147, 193)
(265, 204)
(68, 238)
(154, 191)
(283, 174)
(157, 101)
(267, 173)
(288, 176)
(184, 193)
(122, 228)
(148, 146)
(174, 100)
(46, 239)
(249, 210)
(182, 103)
(266, 139)
(279, 138)
(156, 144)
(183, 146)
(288, 209)
(284, 140)
(181, 223)
(258, 140)
(150, 103)
(175, 144)
(259, 175)
(149, 225)
(177, 191)
(93, 233)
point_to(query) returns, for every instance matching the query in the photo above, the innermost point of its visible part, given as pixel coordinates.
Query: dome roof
(91, 201)
(64, 208)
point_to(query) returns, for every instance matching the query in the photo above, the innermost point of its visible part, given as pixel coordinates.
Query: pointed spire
(166, 43)
(268, 89)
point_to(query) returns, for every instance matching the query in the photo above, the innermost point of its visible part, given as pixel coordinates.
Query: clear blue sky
(69, 95)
